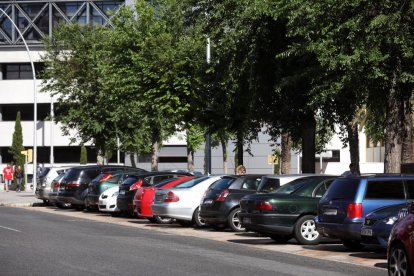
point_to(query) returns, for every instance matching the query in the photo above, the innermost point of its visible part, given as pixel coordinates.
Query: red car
(145, 195)
(400, 250)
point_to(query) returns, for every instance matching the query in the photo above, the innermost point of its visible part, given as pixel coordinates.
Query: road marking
(11, 229)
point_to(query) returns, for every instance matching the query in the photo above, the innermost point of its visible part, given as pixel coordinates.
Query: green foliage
(17, 143)
(83, 156)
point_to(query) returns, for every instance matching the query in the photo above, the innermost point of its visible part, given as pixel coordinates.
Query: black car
(105, 181)
(74, 186)
(129, 186)
(378, 224)
(288, 211)
(220, 205)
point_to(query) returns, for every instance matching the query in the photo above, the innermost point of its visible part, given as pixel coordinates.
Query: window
(250, 184)
(21, 71)
(410, 189)
(268, 184)
(385, 189)
(321, 190)
(342, 188)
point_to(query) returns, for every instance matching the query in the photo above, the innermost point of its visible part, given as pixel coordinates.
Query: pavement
(18, 199)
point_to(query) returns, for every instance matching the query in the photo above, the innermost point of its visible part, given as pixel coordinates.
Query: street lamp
(35, 102)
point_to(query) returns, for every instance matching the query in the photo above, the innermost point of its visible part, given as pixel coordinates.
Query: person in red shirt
(8, 177)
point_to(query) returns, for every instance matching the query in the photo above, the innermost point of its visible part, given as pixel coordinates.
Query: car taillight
(136, 185)
(171, 197)
(223, 195)
(56, 184)
(72, 185)
(263, 206)
(105, 177)
(354, 210)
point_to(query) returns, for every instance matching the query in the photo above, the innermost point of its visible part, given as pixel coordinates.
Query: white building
(36, 19)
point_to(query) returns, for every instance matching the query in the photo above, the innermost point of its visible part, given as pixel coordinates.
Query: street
(43, 243)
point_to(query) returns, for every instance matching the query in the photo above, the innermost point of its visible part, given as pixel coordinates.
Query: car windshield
(192, 182)
(290, 187)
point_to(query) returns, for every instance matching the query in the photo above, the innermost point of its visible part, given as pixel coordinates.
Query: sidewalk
(15, 199)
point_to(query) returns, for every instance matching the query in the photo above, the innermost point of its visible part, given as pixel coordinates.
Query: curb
(28, 204)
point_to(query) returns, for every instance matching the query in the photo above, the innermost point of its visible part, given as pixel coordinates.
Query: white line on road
(11, 229)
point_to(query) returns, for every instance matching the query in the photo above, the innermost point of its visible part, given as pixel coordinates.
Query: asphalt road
(36, 243)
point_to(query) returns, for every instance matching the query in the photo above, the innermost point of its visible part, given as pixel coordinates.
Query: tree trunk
(224, 150)
(190, 159)
(394, 126)
(239, 145)
(154, 157)
(407, 152)
(308, 144)
(286, 146)
(353, 140)
(132, 158)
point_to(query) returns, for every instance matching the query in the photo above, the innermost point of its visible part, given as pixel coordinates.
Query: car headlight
(390, 220)
(115, 194)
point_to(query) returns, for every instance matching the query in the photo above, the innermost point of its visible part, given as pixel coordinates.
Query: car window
(321, 190)
(268, 184)
(410, 189)
(114, 179)
(291, 187)
(385, 189)
(223, 183)
(158, 178)
(192, 182)
(72, 175)
(250, 183)
(130, 180)
(342, 188)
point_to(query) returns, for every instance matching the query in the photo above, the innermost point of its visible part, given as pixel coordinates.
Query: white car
(107, 200)
(182, 202)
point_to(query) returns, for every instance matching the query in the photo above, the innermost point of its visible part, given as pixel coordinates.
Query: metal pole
(208, 135)
(52, 114)
(118, 152)
(34, 102)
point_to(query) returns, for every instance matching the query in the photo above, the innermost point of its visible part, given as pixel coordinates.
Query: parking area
(327, 250)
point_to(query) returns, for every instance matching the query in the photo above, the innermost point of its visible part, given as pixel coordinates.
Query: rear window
(342, 188)
(96, 179)
(291, 187)
(223, 183)
(385, 189)
(410, 189)
(44, 172)
(192, 182)
(162, 183)
(114, 179)
(268, 185)
(72, 175)
(130, 180)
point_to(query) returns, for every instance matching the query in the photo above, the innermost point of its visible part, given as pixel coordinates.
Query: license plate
(208, 201)
(330, 212)
(247, 220)
(366, 232)
(122, 192)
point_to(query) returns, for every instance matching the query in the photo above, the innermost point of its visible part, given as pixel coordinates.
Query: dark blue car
(342, 209)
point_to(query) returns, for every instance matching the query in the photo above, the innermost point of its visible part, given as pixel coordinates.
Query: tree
(83, 156)
(17, 143)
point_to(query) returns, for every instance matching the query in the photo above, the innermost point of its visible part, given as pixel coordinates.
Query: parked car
(44, 182)
(270, 183)
(105, 181)
(145, 196)
(400, 252)
(55, 190)
(220, 204)
(107, 201)
(182, 202)
(74, 186)
(129, 186)
(288, 211)
(378, 224)
(342, 209)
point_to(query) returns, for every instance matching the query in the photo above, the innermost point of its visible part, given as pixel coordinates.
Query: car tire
(163, 220)
(198, 221)
(233, 220)
(280, 239)
(305, 231)
(184, 223)
(398, 261)
(352, 244)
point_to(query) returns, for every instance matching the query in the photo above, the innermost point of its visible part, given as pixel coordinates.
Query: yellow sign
(29, 156)
(272, 159)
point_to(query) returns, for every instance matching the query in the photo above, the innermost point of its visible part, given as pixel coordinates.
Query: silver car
(182, 202)
(43, 187)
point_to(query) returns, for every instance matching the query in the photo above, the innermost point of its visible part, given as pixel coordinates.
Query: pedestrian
(353, 171)
(18, 174)
(240, 170)
(8, 177)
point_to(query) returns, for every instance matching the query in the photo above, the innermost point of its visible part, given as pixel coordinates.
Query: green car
(288, 211)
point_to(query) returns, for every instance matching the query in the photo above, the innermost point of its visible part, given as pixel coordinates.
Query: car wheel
(234, 221)
(163, 220)
(398, 261)
(352, 244)
(199, 221)
(184, 223)
(45, 202)
(305, 231)
(280, 239)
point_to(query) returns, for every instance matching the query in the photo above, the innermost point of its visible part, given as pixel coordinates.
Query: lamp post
(35, 101)
(208, 134)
